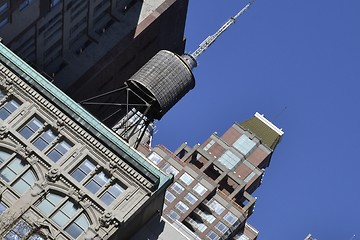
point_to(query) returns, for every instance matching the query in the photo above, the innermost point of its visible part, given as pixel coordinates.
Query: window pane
(36, 237)
(182, 207)
(186, 178)
(216, 207)
(169, 196)
(31, 127)
(4, 114)
(74, 230)
(40, 144)
(230, 218)
(16, 165)
(4, 156)
(60, 218)
(2, 207)
(11, 236)
(213, 236)
(48, 136)
(78, 175)
(97, 182)
(63, 147)
(92, 186)
(229, 159)
(48, 204)
(26, 132)
(244, 144)
(200, 189)
(45, 207)
(155, 158)
(173, 215)
(107, 198)
(82, 222)
(54, 155)
(115, 190)
(82, 170)
(177, 188)
(25, 182)
(190, 198)
(7, 174)
(12, 106)
(22, 228)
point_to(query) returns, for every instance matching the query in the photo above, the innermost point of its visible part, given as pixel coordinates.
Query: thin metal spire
(211, 39)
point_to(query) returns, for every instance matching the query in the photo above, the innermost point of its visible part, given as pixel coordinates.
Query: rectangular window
(249, 177)
(190, 198)
(8, 108)
(4, 22)
(213, 236)
(209, 145)
(243, 237)
(62, 216)
(60, 150)
(169, 196)
(229, 159)
(221, 227)
(44, 140)
(83, 170)
(11, 170)
(216, 207)
(76, 228)
(24, 4)
(31, 127)
(4, 7)
(155, 158)
(230, 218)
(177, 188)
(19, 231)
(3, 207)
(186, 178)
(244, 144)
(200, 189)
(182, 207)
(97, 182)
(173, 215)
(169, 169)
(54, 3)
(112, 193)
(25, 182)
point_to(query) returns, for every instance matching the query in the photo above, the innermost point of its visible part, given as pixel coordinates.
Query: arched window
(16, 172)
(65, 213)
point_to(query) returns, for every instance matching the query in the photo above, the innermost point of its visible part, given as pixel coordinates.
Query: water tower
(153, 90)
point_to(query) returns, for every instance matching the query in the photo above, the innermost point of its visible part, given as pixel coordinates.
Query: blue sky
(302, 56)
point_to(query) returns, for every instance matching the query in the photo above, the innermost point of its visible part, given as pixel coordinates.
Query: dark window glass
(97, 182)
(31, 127)
(43, 141)
(60, 149)
(111, 194)
(8, 108)
(82, 170)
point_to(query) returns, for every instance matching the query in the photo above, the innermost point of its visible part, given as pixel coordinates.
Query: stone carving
(53, 174)
(107, 219)
(3, 131)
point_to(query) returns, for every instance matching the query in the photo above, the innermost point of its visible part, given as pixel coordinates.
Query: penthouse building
(63, 174)
(212, 194)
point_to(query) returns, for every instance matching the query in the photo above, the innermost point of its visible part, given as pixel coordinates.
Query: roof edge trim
(268, 123)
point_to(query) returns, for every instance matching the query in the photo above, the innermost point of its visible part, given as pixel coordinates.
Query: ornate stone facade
(62, 174)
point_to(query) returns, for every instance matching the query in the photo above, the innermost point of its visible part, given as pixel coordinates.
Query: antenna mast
(211, 39)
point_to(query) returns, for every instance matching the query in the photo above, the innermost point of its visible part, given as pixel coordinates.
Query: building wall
(59, 179)
(90, 47)
(213, 182)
